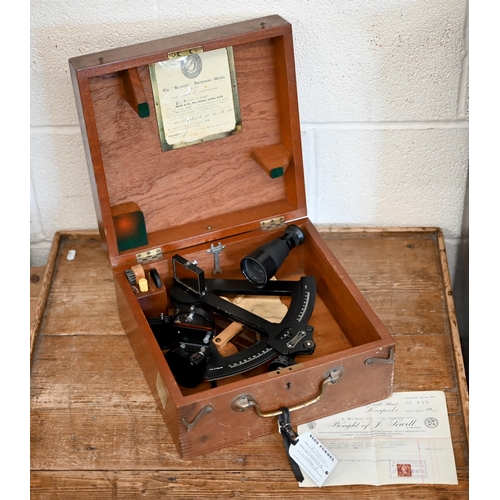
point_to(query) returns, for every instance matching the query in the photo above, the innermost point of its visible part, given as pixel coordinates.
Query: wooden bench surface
(96, 432)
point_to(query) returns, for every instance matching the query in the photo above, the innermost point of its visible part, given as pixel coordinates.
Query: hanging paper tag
(312, 457)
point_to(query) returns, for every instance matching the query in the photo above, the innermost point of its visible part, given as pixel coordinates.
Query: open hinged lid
(192, 138)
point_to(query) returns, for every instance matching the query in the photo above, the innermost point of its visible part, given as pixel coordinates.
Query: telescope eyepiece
(293, 236)
(260, 265)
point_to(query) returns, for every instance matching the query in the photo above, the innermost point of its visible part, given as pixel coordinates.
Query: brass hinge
(270, 224)
(186, 52)
(149, 256)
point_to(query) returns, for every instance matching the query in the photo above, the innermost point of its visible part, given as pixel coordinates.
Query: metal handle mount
(389, 360)
(245, 401)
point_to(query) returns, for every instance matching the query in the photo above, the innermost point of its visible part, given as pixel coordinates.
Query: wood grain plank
(454, 334)
(43, 297)
(84, 284)
(423, 363)
(36, 281)
(400, 276)
(191, 484)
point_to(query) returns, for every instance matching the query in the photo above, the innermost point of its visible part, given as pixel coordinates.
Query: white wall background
(383, 96)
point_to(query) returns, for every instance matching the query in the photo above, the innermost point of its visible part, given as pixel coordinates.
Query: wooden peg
(134, 92)
(273, 159)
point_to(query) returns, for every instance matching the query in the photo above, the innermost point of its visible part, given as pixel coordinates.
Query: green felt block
(130, 229)
(143, 109)
(276, 172)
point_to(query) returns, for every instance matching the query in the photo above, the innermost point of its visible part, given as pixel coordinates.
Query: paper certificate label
(312, 457)
(404, 439)
(196, 98)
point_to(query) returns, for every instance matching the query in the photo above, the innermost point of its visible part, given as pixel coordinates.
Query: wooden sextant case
(194, 149)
